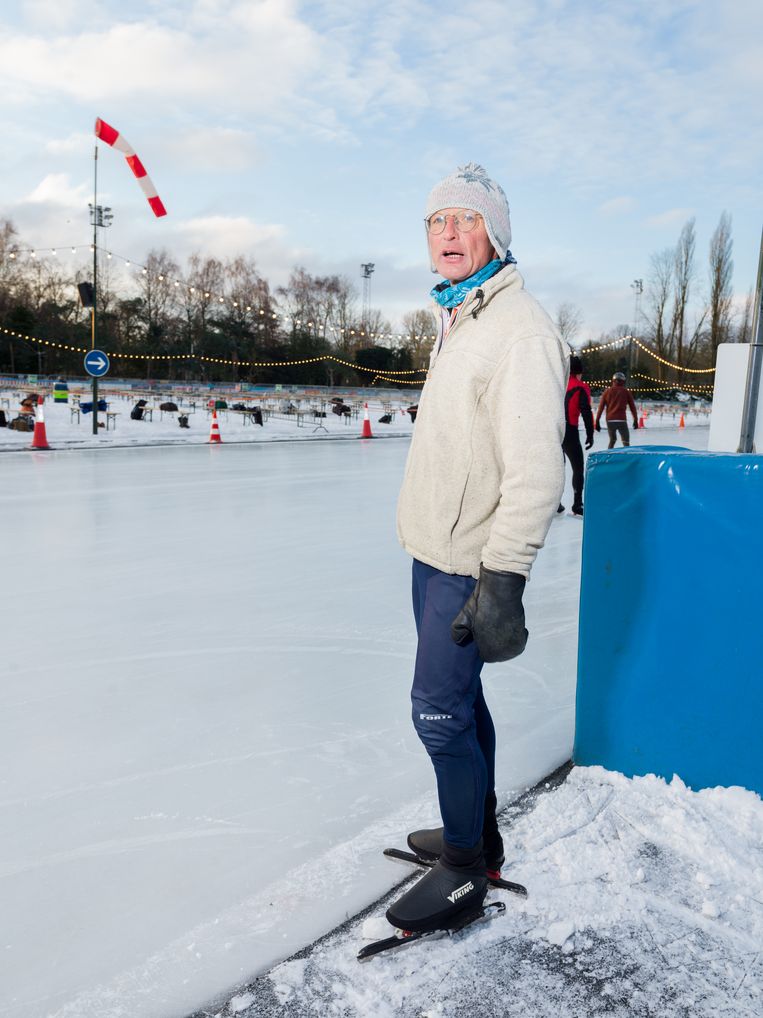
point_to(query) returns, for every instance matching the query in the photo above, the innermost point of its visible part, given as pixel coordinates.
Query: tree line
(310, 317)
(682, 318)
(683, 315)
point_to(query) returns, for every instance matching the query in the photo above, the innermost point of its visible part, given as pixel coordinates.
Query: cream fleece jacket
(485, 470)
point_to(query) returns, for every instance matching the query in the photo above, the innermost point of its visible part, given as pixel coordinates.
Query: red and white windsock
(112, 137)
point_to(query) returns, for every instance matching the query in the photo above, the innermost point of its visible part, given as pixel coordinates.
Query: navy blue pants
(449, 709)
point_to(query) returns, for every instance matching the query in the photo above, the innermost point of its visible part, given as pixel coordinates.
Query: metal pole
(638, 288)
(752, 388)
(95, 281)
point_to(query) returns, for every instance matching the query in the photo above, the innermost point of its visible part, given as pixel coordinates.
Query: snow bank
(645, 899)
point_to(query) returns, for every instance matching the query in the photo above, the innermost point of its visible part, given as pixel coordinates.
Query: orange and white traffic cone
(39, 438)
(642, 420)
(681, 422)
(366, 432)
(214, 431)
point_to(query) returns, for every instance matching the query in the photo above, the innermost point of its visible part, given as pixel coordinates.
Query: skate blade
(403, 937)
(493, 876)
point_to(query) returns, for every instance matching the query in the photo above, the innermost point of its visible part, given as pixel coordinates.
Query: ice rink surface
(206, 741)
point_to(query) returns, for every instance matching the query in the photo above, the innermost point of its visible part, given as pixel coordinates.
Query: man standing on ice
(483, 480)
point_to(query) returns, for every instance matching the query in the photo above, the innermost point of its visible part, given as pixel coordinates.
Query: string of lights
(288, 320)
(218, 360)
(665, 386)
(397, 381)
(670, 364)
(605, 346)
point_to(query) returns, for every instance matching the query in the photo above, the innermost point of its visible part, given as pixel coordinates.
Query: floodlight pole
(367, 269)
(638, 288)
(752, 388)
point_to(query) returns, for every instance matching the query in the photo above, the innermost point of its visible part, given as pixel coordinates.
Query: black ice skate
(456, 884)
(427, 845)
(488, 910)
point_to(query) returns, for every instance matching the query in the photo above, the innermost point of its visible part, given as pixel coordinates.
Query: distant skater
(617, 399)
(577, 404)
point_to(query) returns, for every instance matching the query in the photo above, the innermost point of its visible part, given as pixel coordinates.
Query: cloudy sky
(310, 132)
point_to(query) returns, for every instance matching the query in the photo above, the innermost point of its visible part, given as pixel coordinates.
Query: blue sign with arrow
(96, 363)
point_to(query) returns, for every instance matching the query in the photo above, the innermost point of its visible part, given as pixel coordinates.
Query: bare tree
(204, 283)
(659, 288)
(156, 289)
(345, 317)
(683, 276)
(721, 296)
(8, 277)
(377, 329)
(569, 319)
(744, 329)
(420, 328)
(9, 263)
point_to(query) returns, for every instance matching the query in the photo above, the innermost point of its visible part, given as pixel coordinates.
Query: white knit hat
(471, 188)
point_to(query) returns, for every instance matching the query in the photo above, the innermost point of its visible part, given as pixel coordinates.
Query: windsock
(112, 137)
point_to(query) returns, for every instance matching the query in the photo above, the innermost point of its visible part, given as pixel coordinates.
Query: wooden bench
(111, 419)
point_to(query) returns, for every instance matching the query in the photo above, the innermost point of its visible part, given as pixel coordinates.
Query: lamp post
(638, 288)
(367, 269)
(100, 215)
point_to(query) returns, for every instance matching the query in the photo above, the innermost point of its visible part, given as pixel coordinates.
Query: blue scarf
(450, 295)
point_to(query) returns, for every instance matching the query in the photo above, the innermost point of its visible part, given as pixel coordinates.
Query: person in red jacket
(577, 404)
(617, 399)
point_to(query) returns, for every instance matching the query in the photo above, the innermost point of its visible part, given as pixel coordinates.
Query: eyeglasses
(464, 222)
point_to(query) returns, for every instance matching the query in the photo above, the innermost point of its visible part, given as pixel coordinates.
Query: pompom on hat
(470, 187)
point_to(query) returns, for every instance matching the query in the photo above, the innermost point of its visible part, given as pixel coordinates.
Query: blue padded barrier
(670, 652)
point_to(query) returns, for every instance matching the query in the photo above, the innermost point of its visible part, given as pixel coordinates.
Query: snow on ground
(67, 430)
(204, 734)
(645, 899)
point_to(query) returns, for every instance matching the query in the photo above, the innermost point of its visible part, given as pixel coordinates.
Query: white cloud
(617, 206)
(249, 64)
(76, 142)
(227, 235)
(56, 189)
(53, 15)
(210, 148)
(230, 236)
(670, 217)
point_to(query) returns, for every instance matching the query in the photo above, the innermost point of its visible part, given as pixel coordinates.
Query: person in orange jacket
(617, 399)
